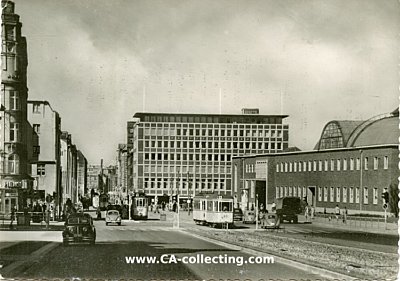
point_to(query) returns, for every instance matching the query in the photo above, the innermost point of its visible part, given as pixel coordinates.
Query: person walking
(273, 207)
(345, 215)
(337, 212)
(13, 213)
(306, 211)
(312, 212)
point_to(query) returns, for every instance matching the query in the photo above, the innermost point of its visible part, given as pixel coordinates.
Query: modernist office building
(351, 165)
(190, 153)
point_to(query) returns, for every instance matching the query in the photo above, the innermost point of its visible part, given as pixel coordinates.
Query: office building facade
(192, 153)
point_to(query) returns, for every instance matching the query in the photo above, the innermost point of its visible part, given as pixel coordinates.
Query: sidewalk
(355, 225)
(53, 226)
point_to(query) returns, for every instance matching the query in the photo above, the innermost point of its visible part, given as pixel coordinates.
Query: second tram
(139, 208)
(103, 204)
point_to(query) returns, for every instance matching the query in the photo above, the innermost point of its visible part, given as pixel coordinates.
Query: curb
(16, 267)
(305, 267)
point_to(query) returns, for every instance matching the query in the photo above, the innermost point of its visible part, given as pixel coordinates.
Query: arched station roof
(378, 130)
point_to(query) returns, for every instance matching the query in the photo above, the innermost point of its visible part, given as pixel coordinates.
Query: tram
(213, 209)
(103, 204)
(139, 208)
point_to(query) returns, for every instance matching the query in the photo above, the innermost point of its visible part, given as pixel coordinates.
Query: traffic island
(354, 262)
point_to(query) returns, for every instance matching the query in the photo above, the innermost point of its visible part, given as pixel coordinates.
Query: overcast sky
(315, 61)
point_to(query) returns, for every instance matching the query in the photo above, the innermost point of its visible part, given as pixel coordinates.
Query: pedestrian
(345, 215)
(306, 212)
(273, 207)
(13, 212)
(262, 216)
(312, 212)
(337, 212)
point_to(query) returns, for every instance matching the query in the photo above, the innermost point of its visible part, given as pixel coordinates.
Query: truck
(288, 208)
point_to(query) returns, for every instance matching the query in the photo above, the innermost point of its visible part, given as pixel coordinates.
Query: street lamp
(189, 191)
(177, 195)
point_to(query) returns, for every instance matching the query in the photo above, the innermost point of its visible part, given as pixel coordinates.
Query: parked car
(79, 228)
(249, 216)
(271, 221)
(288, 208)
(113, 216)
(237, 214)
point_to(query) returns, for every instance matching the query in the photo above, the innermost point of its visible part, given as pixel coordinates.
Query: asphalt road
(107, 259)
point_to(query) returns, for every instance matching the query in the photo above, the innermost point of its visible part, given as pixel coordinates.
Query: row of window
(173, 184)
(212, 145)
(274, 133)
(331, 194)
(332, 165)
(188, 169)
(187, 157)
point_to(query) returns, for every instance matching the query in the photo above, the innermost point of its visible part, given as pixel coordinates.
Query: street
(148, 238)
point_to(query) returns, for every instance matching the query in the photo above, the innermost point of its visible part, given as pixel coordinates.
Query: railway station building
(352, 164)
(192, 153)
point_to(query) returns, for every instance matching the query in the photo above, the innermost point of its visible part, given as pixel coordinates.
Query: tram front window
(225, 206)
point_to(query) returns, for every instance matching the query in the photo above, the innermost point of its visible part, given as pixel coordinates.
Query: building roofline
(139, 114)
(42, 102)
(318, 151)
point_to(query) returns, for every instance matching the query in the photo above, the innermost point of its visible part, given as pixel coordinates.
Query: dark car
(79, 228)
(237, 214)
(287, 208)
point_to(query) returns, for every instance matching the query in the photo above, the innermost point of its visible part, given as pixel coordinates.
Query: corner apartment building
(191, 153)
(14, 165)
(351, 165)
(44, 148)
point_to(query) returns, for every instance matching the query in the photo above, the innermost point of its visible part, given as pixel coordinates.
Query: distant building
(122, 167)
(44, 148)
(81, 175)
(93, 178)
(191, 153)
(69, 169)
(352, 164)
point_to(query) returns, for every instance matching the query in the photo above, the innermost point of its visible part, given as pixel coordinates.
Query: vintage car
(79, 228)
(270, 221)
(113, 216)
(249, 216)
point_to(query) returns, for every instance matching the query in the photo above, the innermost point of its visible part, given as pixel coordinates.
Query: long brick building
(351, 165)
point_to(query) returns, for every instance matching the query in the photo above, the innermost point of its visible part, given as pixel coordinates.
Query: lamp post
(360, 193)
(189, 191)
(177, 194)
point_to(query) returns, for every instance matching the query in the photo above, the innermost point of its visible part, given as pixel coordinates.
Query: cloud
(314, 60)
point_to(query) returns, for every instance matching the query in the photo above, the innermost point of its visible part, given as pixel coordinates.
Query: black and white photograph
(199, 140)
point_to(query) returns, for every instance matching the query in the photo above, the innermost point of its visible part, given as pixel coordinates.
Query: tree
(394, 198)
